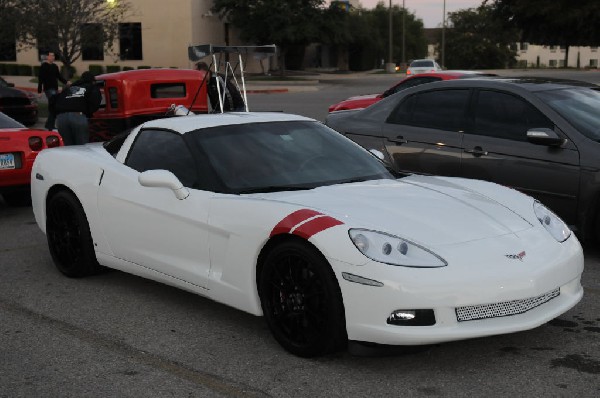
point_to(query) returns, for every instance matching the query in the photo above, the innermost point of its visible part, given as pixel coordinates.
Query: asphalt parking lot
(119, 335)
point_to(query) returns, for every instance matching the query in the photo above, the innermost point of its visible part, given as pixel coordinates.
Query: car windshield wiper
(274, 188)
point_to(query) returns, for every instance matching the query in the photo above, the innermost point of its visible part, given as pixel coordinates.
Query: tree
(556, 22)
(476, 39)
(286, 23)
(63, 26)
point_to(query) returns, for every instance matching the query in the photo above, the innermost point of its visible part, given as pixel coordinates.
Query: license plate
(7, 161)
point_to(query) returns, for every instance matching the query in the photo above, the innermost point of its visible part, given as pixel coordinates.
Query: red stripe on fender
(315, 226)
(291, 220)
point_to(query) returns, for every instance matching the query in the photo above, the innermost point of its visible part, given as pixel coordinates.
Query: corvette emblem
(517, 256)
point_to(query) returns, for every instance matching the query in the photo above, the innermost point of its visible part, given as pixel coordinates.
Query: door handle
(398, 140)
(477, 151)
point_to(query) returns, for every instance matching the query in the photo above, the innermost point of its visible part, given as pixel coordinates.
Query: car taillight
(36, 143)
(52, 141)
(408, 72)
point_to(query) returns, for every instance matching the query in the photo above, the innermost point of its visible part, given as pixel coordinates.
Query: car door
(496, 149)
(150, 226)
(423, 134)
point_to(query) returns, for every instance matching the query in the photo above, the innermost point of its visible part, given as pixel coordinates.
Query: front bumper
(478, 273)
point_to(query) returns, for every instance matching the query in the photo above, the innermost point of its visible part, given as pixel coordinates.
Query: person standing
(73, 106)
(48, 83)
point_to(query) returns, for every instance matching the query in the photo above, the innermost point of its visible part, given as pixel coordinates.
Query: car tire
(69, 238)
(301, 300)
(17, 199)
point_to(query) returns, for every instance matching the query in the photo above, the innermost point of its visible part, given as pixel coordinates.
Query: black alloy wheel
(301, 300)
(69, 238)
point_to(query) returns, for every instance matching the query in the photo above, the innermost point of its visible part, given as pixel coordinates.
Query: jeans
(73, 128)
(51, 115)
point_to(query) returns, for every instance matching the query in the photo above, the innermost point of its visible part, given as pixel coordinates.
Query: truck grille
(507, 308)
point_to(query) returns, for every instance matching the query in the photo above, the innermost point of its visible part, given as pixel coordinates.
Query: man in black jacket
(74, 106)
(48, 83)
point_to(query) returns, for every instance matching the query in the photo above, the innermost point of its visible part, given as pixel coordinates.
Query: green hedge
(24, 70)
(144, 67)
(113, 68)
(96, 69)
(70, 73)
(128, 68)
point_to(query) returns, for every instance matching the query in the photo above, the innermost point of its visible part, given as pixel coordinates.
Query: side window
(167, 90)
(114, 97)
(163, 150)
(440, 109)
(506, 116)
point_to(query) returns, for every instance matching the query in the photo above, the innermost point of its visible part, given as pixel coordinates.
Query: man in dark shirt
(48, 83)
(73, 106)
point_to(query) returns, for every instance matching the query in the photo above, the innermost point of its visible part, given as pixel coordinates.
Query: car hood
(9, 92)
(431, 210)
(363, 97)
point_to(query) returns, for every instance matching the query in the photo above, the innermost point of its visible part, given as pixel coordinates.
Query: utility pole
(390, 67)
(403, 32)
(444, 36)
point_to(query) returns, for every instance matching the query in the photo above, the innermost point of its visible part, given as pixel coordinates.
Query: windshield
(277, 156)
(9, 123)
(580, 106)
(422, 64)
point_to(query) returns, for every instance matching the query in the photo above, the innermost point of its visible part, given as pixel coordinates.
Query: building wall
(168, 28)
(531, 55)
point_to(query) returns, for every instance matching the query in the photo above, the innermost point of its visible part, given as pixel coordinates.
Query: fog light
(411, 318)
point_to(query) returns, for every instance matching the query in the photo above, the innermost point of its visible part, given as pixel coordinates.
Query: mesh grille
(507, 308)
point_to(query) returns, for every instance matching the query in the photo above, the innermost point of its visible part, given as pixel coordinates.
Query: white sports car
(280, 216)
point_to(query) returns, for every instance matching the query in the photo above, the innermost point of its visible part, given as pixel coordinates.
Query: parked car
(278, 215)
(19, 104)
(539, 136)
(422, 66)
(19, 147)
(362, 101)
(136, 96)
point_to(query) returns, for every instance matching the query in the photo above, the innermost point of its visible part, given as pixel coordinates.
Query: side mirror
(378, 154)
(163, 179)
(545, 136)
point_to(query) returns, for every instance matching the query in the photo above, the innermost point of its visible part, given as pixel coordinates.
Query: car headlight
(553, 224)
(389, 249)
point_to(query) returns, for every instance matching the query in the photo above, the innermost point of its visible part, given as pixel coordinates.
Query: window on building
(130, 41)
(8, 48)
(553, 63)
(553, 49)
(92, 42)
(594, 48)
(48, 44)
(524, 46)
(561, 63)
(594, 63)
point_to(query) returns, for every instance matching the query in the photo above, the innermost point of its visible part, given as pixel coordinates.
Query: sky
(430, 11)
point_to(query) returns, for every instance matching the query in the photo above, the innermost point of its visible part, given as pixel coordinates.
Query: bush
(144, 67)
(113, 68)
(25, 70)
(11, 69)
(127, 68)
(96, 69)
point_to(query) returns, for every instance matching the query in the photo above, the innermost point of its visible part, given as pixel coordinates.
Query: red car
(19, 147)
(362, 101)
(133, 97)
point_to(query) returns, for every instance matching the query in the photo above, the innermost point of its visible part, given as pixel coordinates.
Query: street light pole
(403, 32)
(390, 67)
(444, 36)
